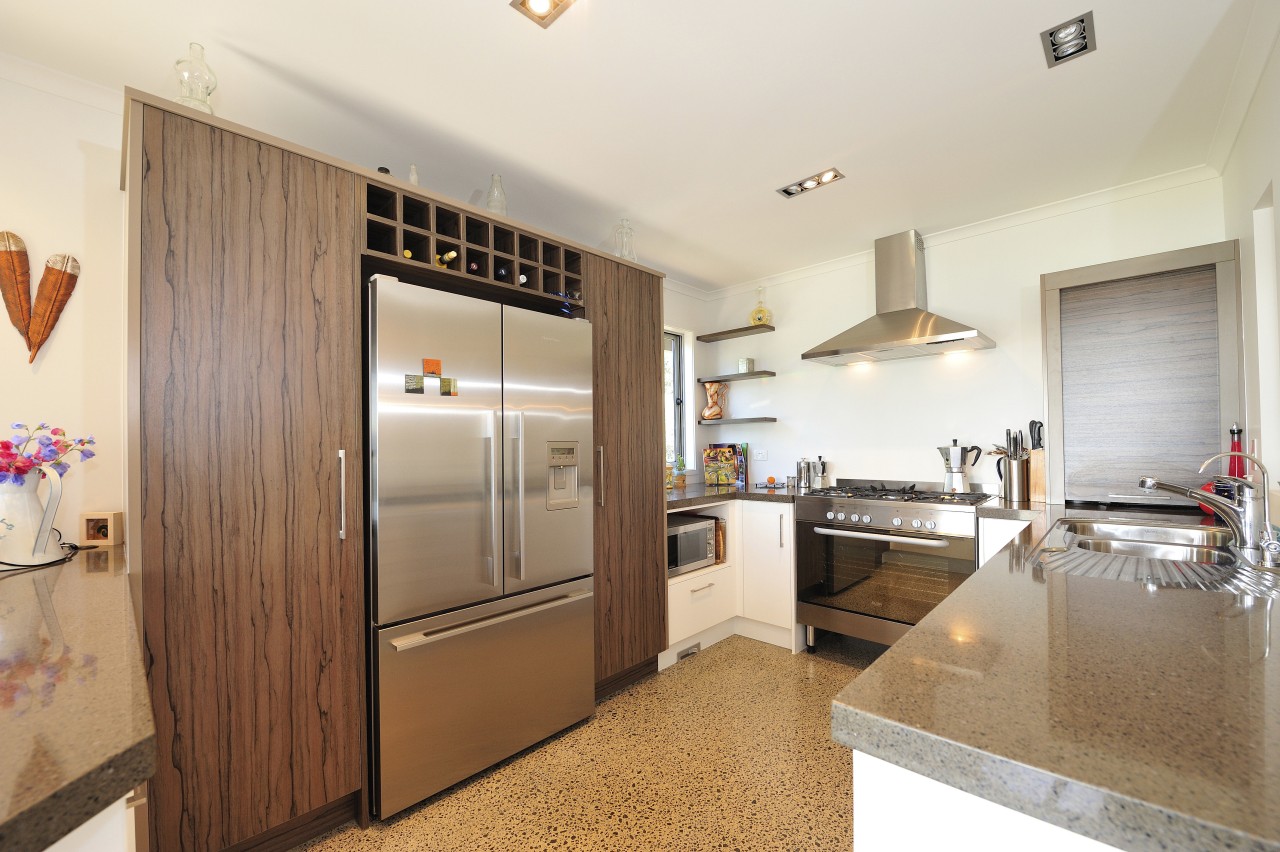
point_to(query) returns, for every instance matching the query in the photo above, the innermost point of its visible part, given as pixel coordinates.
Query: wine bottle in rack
(408, 254)
(473, 267)
(501, 273)
(524, 279)
(443, 260)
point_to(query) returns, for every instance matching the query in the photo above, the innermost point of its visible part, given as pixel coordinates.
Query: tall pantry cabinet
(625, 309)
(245, 406)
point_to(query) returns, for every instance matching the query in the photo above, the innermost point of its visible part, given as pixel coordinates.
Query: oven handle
(900, 539)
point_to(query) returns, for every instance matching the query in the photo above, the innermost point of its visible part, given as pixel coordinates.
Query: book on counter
(725, 464)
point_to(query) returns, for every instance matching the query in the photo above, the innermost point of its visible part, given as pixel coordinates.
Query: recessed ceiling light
(803, 185)
(541, 12)
(1069, 40)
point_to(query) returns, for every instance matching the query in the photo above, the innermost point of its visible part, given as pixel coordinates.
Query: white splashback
(884, 420)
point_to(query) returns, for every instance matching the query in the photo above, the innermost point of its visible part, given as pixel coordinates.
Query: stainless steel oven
(874, 569)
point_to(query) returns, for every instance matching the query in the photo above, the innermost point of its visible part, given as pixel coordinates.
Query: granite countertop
(76, 731)
(1144, 719)
(702, 495)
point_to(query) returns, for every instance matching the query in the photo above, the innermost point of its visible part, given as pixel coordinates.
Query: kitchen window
(673, 392)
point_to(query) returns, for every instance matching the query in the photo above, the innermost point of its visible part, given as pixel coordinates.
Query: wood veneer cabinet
(625, 309)
(248, 380)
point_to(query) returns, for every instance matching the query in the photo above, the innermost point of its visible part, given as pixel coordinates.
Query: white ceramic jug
(25, 524)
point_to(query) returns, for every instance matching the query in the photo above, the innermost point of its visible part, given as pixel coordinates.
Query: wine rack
(422, 233)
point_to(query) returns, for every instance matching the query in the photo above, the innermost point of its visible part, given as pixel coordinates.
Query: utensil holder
(1015, 479)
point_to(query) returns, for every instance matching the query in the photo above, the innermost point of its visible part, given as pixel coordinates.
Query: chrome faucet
(1248, 515)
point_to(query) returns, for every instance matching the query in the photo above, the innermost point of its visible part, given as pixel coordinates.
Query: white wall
(1251, 175)
(884, 420)
(59, 191)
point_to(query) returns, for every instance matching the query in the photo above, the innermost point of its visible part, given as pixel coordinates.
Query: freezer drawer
(461, 691)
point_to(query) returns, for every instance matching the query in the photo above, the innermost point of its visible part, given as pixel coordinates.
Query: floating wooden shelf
(733, 420)
(738, 377)
(717, 336)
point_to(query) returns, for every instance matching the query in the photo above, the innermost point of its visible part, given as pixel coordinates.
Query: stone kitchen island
(1141, 717)
(76, 731)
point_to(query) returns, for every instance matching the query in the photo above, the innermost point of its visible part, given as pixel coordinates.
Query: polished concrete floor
(729, 749)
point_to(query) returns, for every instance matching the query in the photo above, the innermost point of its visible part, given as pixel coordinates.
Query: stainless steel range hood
(902, 326)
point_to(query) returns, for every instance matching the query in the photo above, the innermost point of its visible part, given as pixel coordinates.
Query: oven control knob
(866, 519)
(933, 525)
(897, 522)
(840, 516)
(831, 516)
(916, 523)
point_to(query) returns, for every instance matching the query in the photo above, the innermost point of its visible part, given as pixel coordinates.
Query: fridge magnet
(413, 383)
(431, 367)
(448, 387)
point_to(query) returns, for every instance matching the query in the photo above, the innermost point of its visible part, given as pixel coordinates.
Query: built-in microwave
(691, 543)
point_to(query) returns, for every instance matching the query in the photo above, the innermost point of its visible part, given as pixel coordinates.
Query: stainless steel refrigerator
(480, 493)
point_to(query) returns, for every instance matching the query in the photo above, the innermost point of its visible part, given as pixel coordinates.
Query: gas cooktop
(899, 494)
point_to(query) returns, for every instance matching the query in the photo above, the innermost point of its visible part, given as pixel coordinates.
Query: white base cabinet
(994, 534)
(702, 599)
(768, 563)
(752, 593)
(888, 801)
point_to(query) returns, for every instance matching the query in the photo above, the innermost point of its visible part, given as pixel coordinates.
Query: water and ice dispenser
(562, 475)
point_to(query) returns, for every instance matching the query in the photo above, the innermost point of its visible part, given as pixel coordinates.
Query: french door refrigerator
(480, 497)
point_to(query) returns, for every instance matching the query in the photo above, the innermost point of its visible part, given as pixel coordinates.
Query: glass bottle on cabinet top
(196, 80)
(496, 200)
(624, 240)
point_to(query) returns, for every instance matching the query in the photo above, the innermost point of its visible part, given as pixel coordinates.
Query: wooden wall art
(34, 321)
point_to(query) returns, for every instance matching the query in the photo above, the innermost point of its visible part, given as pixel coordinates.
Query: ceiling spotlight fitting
(541, 12)
(803, 185)
(1069, 40)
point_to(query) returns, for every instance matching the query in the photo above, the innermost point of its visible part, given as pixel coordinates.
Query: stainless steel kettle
(956, 459)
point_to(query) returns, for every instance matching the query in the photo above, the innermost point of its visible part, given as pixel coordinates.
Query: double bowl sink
(1155, 553)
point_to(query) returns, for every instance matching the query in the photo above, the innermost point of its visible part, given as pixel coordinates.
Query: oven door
(897, 576)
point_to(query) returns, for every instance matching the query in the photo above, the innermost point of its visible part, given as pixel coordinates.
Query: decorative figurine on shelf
(715, 400)
(760, 315)
(196, 80)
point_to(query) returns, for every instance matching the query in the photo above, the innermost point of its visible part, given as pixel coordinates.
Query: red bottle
(1235, 464)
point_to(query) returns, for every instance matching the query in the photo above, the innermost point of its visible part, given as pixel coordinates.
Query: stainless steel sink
(1158, 550)
(1152, 532)
(1155, 553)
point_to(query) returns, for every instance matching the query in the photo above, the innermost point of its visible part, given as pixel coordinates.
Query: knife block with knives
(1038, 487)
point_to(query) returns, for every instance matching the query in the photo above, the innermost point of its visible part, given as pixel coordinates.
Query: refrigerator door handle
(492, 484)
(417, 640)
(518, 446)
(342, 495)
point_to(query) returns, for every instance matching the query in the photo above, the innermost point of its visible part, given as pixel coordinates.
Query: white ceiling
(686, 115)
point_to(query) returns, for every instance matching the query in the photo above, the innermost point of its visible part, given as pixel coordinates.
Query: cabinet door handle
(342, 494)
(600, 474)
(780, 515)
(701, 588)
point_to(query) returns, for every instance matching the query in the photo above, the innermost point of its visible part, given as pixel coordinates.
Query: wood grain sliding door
(250, 386)
(625, 309)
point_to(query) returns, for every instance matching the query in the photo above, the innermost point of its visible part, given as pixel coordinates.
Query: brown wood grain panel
(625, 309)
(250, 384)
